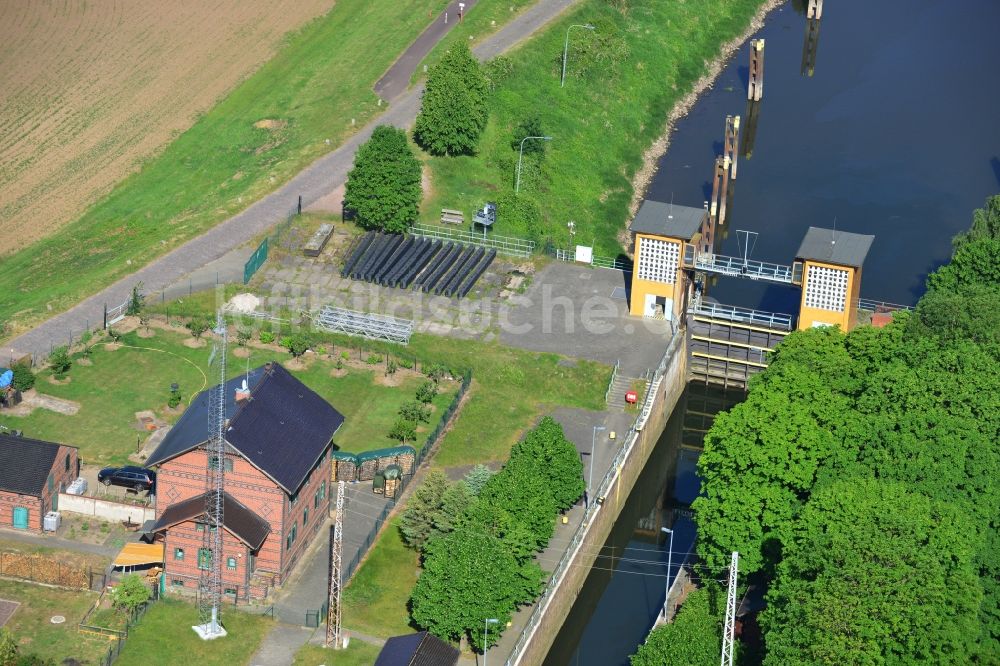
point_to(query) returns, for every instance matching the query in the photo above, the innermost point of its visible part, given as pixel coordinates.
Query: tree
(523, 491)
(130, 594)
(297, 344)
(477, 477)
(198, 326)
(403, 430)
(384, 188)
(136, 301)
(874, 574)
(24, 377)
(469, 575)
(243, 335)
(426, 391)
(455, 108)
(694, 638)
(415, 411)
(8, 648)
(530, 126)
(558, 460)
(417, 522)
(60, 361)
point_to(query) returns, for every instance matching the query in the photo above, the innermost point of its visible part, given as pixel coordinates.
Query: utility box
(78, 487)
(51, 521)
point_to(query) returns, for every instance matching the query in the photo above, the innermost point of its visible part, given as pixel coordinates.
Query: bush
(267, 337)
(296, 344)
(135, 301)
(455, 107)
(174, 399)
(60, 361)
(437, 371)
(24, 377)
(197, 326)
(391, 367)
(243, 335)
(129, 594)
(497, 70)
(114, 334)
(404, 431)
(427, 391)
(406, 363)
(519, 214)
(530, 126)
(373, 359)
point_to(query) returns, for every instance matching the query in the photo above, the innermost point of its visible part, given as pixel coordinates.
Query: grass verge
(356, 654)
(34, 632)
(316, 91)
(376, 600)
(622, 80)
(164, 636)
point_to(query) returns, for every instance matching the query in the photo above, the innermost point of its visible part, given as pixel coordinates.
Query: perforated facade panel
(658, 260)
(826, 288)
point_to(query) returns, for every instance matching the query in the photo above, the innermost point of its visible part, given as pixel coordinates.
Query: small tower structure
(830, 262)
(662, 234)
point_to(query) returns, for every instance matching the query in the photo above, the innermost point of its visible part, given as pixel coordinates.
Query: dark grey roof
(848, 250)
(282, 430)
(243, 523)
(664, 219)
(192, 427)
(25, 464)
(420, 649)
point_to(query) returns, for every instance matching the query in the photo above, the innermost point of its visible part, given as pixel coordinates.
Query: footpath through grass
(264, 132)
(622, 80)
(164, 636)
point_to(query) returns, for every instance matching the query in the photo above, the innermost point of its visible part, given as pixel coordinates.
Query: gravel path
(319, 178)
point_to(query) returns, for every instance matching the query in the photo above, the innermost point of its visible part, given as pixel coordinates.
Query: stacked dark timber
(433, 266)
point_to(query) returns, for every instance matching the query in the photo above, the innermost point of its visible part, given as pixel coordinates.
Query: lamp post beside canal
(517, 182)
(486, 632)
(562, 79)
(670, 566)
(593, 441)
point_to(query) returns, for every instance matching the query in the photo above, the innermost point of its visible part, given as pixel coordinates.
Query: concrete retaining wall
(568, 587)
(105, 510)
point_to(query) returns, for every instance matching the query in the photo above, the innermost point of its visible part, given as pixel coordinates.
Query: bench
(318, 241)
(450, 216)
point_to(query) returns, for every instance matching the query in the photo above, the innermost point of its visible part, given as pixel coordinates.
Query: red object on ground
(631, 397)
(880, 319)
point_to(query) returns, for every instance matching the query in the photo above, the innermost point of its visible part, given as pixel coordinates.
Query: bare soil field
(90, 89)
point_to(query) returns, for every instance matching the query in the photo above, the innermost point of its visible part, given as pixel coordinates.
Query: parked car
(130, 477)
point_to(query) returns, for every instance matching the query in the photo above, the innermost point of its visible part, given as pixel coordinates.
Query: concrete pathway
(50, 541)
(322, 176)
(280, 645)
(397, 79)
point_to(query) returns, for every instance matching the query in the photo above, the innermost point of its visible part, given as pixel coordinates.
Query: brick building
(277, 469)
(32, 474)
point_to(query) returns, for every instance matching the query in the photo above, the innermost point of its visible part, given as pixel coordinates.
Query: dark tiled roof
(284, 429)
(25, 464)
(420, 649)
(848, 250)
(192, 428)
(246, 525)
(664, 219)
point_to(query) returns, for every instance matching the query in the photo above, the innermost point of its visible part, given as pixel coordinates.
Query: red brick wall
(186, 537)
(307, 526)
(38, 507)
(10, 500)
(63, 473)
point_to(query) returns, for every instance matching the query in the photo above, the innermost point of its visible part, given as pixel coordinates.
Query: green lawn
(34, 631)
(622, 80)
(356, 654)
(164, 636)
(375, 602)
(138, 376)
(315, 85)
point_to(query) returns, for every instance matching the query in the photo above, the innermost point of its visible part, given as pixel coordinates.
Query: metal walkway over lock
(718, 264)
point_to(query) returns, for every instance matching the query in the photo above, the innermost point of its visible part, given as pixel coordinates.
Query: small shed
(345, 466)
(371, 462)
(420, 649)
(393, 475)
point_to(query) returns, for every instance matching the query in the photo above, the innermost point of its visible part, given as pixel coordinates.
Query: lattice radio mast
(729, 632)
(210, 584)
(336, 551)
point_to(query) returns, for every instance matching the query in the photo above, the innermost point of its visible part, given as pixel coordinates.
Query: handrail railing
(740, 267)
(744, 315)
(509, 245)
(611, 382)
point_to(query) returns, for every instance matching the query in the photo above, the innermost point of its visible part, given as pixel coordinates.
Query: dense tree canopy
(455, 108)
(383, 188)
(850, 455)
(694, 638)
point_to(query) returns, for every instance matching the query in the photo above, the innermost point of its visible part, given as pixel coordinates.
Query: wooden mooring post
(731, 142)
(720, 185)
(755, 89)
(814, 10)
(809, 48)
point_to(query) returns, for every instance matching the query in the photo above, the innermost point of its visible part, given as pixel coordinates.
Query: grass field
(35, 633)
(356, 654)
(138, 376)
(622, 80)
(92, 90)
(164, 636)
(375, 602)
(267, 129)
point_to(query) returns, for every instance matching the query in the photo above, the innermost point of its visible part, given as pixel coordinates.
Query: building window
(320, 495)
(51, 483)
(231, 563)
(205, 558)
(67, 462)
(177, 582)
(305, 516)
(658, 260)
(291, 537)
(826, 288)
(230, 592)
(178, 553)
(227, 463)
(200, 527)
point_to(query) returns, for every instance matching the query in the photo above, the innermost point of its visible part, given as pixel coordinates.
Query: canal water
(894, 133)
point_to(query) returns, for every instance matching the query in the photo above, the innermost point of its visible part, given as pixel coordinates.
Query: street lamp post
(486, 632)
(593, 441)
(517, 182)
(562, 80)
(670, 564)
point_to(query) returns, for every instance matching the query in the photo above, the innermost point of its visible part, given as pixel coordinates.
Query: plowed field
(91, 89)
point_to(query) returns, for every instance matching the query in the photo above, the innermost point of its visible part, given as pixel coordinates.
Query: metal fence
(611, 382)
(598, 261)
(590, 513)
(776, 320)
(509, 245)
(880, 306)
(255, 261)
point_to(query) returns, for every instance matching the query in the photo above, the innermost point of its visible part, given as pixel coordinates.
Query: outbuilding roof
(25, 464)
(420, 649)
(282, 429)
(664, 219)
(241, 522)
(836, 247)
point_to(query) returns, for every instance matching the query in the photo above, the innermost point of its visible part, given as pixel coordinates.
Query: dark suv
(130, 477)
